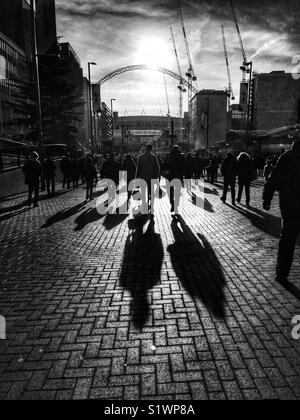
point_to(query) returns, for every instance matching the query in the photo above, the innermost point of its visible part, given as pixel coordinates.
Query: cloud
(111, 32)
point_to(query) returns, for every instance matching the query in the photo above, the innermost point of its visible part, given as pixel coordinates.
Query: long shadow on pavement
(263, 221)
(142, 264)
(63, 215)
(88, 216)
(197, 267)
(204, 204)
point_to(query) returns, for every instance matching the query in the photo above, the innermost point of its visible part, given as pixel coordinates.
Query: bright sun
(154, 52)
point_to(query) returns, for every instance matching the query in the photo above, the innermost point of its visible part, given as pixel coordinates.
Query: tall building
(46, 26)
(15, 23)
(276, 100)
(209, 119)
(13, 69)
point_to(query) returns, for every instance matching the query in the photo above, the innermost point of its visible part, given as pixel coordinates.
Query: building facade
(276, 100)
(13, 70)
(209, 118)
(134, 132)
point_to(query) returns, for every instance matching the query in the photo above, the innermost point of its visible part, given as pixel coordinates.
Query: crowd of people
(281, 173)
(175, 165)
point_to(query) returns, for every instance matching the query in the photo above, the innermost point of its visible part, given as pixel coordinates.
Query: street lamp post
(249, 100)
(91, 63)
(35, 59)
(207, 124)
(112, 120)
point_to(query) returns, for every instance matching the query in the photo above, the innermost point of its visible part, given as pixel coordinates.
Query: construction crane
(245, 65)
(167, 96)
(181, 87)
(230, 88)
(190, 73)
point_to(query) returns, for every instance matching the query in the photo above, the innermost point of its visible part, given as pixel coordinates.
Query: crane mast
(190, 73)
(167, 96)
(245, 61)
(230, 89)
(181, 87)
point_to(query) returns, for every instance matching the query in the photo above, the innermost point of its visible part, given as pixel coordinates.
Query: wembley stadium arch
(147, 68)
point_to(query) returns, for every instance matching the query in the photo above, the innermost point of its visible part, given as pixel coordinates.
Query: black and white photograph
(149, 203)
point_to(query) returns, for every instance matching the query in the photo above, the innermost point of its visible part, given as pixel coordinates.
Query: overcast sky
(120, 33)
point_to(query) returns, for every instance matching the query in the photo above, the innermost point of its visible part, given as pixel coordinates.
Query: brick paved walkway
(116, 308)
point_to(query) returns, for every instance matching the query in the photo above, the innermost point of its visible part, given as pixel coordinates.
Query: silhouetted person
(66, 169)
(245, 173)
(212, 170)
(286, 179)
(129, 167)
(33, 171)
(268, 169)
(189, 171)
(75, 172)
(90, 174)
(49, 173)
(81, 165)
(229, 170)
(110, 169)
(175, 169)
(148, 169)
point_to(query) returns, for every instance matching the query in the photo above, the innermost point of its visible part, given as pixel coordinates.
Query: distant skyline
(119, 33)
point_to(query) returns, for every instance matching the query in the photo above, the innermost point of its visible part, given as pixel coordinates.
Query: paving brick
(69, 291)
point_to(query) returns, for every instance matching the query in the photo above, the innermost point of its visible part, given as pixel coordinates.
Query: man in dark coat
(175, 169)
(66, 169)
(33, 171)
(286, 179)
(111, 169)
(49, 173)
(229, 170)
(90, 175)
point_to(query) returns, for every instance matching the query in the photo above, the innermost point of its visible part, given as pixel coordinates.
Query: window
(2, 68)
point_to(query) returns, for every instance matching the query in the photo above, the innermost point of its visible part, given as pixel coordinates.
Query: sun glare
(154, 52)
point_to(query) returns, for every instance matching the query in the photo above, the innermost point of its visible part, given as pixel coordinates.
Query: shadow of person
(262, 220)
(13, 214)
(63, 215)
(289, 287)
(113, 220)
(141, 267)
(88, 216)
(202, 203)
(13, 208)
(197, 267)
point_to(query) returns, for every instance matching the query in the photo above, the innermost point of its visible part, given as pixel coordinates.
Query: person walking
(229, 170)
(66, 169)
(175, 169)
(110, 169)
(49, 173)
(189, 171)
(286, 180)
(75, 172)
(268, 169)
(148, 169)
(90, 175)
(245, 174)
(33, 171)
(129, 166)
